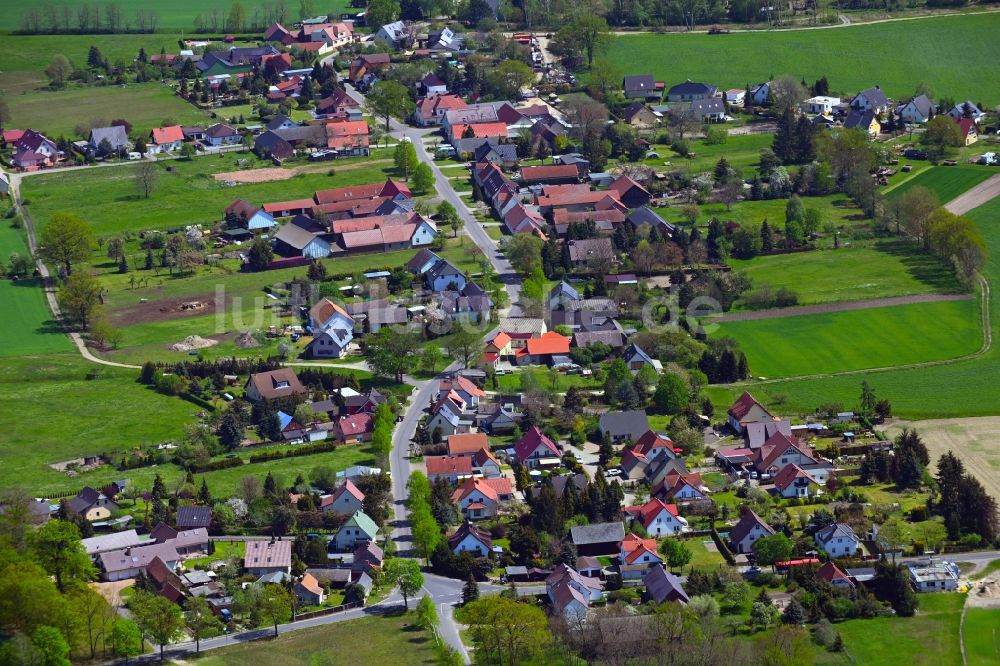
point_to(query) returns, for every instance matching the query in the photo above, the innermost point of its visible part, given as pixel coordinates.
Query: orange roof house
(165, 135)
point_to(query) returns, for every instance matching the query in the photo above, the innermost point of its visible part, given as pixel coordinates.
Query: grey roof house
(598, 539)
(114, 135)
(624, 426)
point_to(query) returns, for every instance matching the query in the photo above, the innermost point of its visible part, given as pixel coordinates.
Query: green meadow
(896, 55)
(942, 391)
(881, 270)
(857, 339)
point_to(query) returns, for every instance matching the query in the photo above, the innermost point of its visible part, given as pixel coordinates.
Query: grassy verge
(982, 636)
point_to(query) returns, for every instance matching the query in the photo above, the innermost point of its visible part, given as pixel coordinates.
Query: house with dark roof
(690, 91)
(571, 593)
(221, 134)
(647, 217)
(838, 540)
(116, 137)
(589, 252)
(501, 154)
(623, 426)
(92, 504)
(871, 99)
(756, 434)
(662, 586)
(864, 120)
(642, 86)
(130, 562)
(470, 539)
(640, 116)
(192, 517)
(709, 110)
(747, 531)
(598, 538)
(967, 109)
(917, 111)
(637, 359)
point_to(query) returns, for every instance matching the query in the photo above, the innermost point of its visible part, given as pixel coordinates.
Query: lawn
(857, 339)
(946, 182)
(930, 638)
(513, 382)
(378, 639)
(982, 636)
(145, 105)
(896, 56)
(881, 270)
(224, 550)
(943, 391)
(741, 152)
(53, 413)
(27, 326)
(701, 556)
(185, 193)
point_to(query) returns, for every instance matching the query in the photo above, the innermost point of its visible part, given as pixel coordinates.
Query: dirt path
(976, 197)
(820, 308)
(277, 173)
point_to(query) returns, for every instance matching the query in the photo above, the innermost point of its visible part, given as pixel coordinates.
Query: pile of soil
(191, 343)
(246, 341)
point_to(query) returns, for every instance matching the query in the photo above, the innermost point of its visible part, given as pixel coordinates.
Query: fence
(327, 611)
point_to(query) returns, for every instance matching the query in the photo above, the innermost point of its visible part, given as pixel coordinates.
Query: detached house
(690, 91)
(747, 409)
(865, 120)
(450, 468)
(649, 448)
(471, 539)
(657, 518)
(333, 329)
(482, 498)
(358, 530)
(663, 586)
(221, 134)
(33, 150)
(793, 481)
(642, 86)
(543, 349)
(917, 111)
(637, 555)
(681, 487)
(92, 505)
(165, 140)
(115, 136)
(747, 531)
(571, 593)
(872, 99)
(535, 450)
(624, 426)
(346, 499)
(968, 129)
(838, 540)
(274, 384)
(265, 557)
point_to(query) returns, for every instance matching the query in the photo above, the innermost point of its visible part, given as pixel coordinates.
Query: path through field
(976, 197)
(820, 308)
(972, 439)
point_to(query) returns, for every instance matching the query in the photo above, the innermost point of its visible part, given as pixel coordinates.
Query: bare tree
(731, 192)
(586, 116)
(146, 176)
(681, 121)
(787, 93)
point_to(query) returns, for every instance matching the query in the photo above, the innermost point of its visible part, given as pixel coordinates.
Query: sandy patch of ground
(972, 439)
(985, 593)
(191, 343)
(164, 309)
(112, 592)
(254, 175)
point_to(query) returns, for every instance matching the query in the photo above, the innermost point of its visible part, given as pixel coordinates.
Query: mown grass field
(379, 639)
(897, 56)
(23, 63)
(175, 15)
(944, 391)
(742, 152)
(109, 200)
(54, 413)
(881, 270)
(145, 105)
(835, 209)
(27, 326)
(857, 339)
(946, 182)
(930, 638)
(982, 636)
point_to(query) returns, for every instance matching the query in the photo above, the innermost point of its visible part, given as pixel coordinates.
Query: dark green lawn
(982, 636)
(896, 55)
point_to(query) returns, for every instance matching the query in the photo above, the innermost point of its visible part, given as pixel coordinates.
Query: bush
(716, 136)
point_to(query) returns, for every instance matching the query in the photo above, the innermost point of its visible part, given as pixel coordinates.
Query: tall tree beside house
(423, 178)
(157, 507)
(389, 99)
(274, 605)
(507, 631)
(407, 576)
(470, 591)
(56, 546)
(126, 639)
(157, 617)
(200, 621)
(260, 255)
(204, 496)
(448, 216)
(65, 240)
(405, 159)
(380, 12)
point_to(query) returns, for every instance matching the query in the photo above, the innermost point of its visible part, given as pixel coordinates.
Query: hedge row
(727, 554)
(306, 450)
(224, 463)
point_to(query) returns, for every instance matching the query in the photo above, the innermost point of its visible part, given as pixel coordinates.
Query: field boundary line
(961, 634)
(839, 306)
(983, 348)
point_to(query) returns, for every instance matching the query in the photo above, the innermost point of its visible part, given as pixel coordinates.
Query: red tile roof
(531, 440)
(548, 343)
(355, 424)
(448, 465)
(467, 443)
(541, 174)
(162, 135)
(743, 405)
